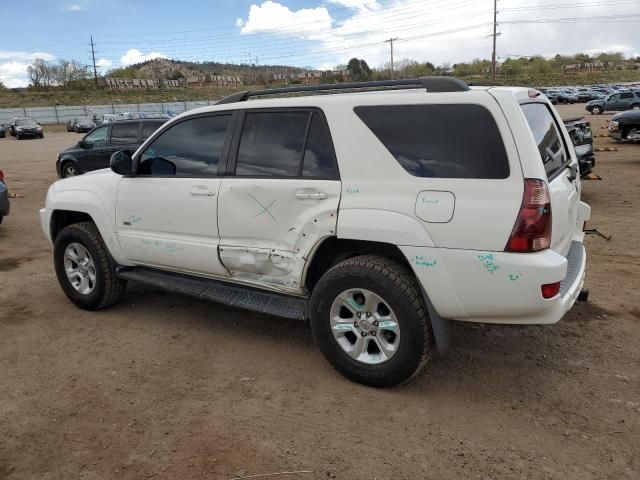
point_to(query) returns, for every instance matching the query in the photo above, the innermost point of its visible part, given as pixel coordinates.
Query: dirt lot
(165, 386)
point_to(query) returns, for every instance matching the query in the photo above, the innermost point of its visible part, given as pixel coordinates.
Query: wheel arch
(333, 250)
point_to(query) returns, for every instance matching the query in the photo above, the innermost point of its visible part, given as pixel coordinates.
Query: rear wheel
(85, 270)
(636, 106)
(369, 320)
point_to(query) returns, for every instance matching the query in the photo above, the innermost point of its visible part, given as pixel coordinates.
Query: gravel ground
(169, 387)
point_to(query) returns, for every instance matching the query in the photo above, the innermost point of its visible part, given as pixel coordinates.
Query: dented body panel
(268, 227)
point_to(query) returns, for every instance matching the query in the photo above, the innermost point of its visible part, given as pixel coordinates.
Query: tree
(359, 70)
(69, 71)
(2, 86)
(40, 73)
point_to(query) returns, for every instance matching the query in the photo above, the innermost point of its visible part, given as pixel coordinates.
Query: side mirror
(121, 163)
(83, 144)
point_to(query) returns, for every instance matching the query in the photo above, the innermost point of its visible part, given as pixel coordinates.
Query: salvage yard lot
(166, 386)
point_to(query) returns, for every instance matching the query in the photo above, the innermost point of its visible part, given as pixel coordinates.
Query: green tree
(359, 70)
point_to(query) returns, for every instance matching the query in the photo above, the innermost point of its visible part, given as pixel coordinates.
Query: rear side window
(626, 95)
(272, 144)
(319, 159)
(124, 133)
(191, 148)
(547, 136)
(440, 141)
(285, 144)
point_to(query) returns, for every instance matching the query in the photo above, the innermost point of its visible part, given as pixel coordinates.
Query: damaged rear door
(280, 197)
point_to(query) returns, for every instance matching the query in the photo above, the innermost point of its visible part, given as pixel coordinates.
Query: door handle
(202, 190)
(311, 195)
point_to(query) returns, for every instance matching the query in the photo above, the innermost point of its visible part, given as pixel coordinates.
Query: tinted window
(547, 136)
(272, 144)
(626, 95)
(97, 138)
(149, 127)
(189, 148)
(124, 133)
(440, 141)
(319, 158)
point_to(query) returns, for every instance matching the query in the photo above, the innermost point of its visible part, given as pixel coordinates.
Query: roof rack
(431, 84)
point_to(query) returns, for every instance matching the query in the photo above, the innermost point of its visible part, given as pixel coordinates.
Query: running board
(271, 303)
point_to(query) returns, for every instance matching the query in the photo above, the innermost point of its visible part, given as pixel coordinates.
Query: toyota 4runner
(372, 214)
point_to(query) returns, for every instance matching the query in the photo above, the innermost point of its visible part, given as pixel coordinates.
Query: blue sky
(313, 33)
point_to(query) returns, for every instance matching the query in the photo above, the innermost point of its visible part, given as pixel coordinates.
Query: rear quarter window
(440, 141)
(547, 136)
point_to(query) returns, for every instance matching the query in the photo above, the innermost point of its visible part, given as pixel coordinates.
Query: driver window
(97, 138)
(191, 148)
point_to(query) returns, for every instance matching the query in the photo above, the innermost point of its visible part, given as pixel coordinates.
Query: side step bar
(271, 303)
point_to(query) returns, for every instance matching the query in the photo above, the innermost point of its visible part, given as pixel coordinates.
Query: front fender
(83, 201)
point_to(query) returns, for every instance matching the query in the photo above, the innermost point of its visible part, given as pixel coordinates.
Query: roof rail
(431, 84)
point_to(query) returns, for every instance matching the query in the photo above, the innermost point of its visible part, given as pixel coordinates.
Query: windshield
(84, 120)
(27, 122)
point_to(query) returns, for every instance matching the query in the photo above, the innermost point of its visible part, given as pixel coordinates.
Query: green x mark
(264, 209)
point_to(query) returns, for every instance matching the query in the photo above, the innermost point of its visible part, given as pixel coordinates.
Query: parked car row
(584, 93)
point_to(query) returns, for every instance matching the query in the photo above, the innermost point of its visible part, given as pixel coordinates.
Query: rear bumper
(501, 287)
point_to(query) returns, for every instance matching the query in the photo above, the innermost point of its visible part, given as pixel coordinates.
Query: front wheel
(69, 170)
(370, 322)
(596, 110)
(85, 269)
(636, 106)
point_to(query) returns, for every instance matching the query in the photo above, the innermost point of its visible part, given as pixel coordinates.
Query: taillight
(532, 230)
(550, 290)
(1, 176)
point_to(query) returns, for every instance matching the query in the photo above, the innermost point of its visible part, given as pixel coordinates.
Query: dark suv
(94, 150)
(614, 103)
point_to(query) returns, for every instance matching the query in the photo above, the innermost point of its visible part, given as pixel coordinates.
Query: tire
(42, 135)
(106, 288)
(68, 169)
(395, 287)
(597, 110)
(18, 137)
(635, 106)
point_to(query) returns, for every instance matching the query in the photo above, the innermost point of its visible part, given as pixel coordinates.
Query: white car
(378, 215)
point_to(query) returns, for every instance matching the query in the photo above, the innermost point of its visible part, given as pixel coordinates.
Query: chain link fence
(62, 114)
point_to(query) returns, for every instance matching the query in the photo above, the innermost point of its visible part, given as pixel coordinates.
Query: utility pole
(93, 55)
(390, 42)
(495, 35)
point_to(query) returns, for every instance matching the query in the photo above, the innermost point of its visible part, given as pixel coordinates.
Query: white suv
(377, 215)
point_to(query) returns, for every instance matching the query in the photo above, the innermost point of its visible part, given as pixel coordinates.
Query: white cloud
(103, 62)
(71, 7)
(239, 22)
(449, 33)
(134, 55)
(14, 74)
(13, 66)
(17, 55)
(274, 18)
(358, 4)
